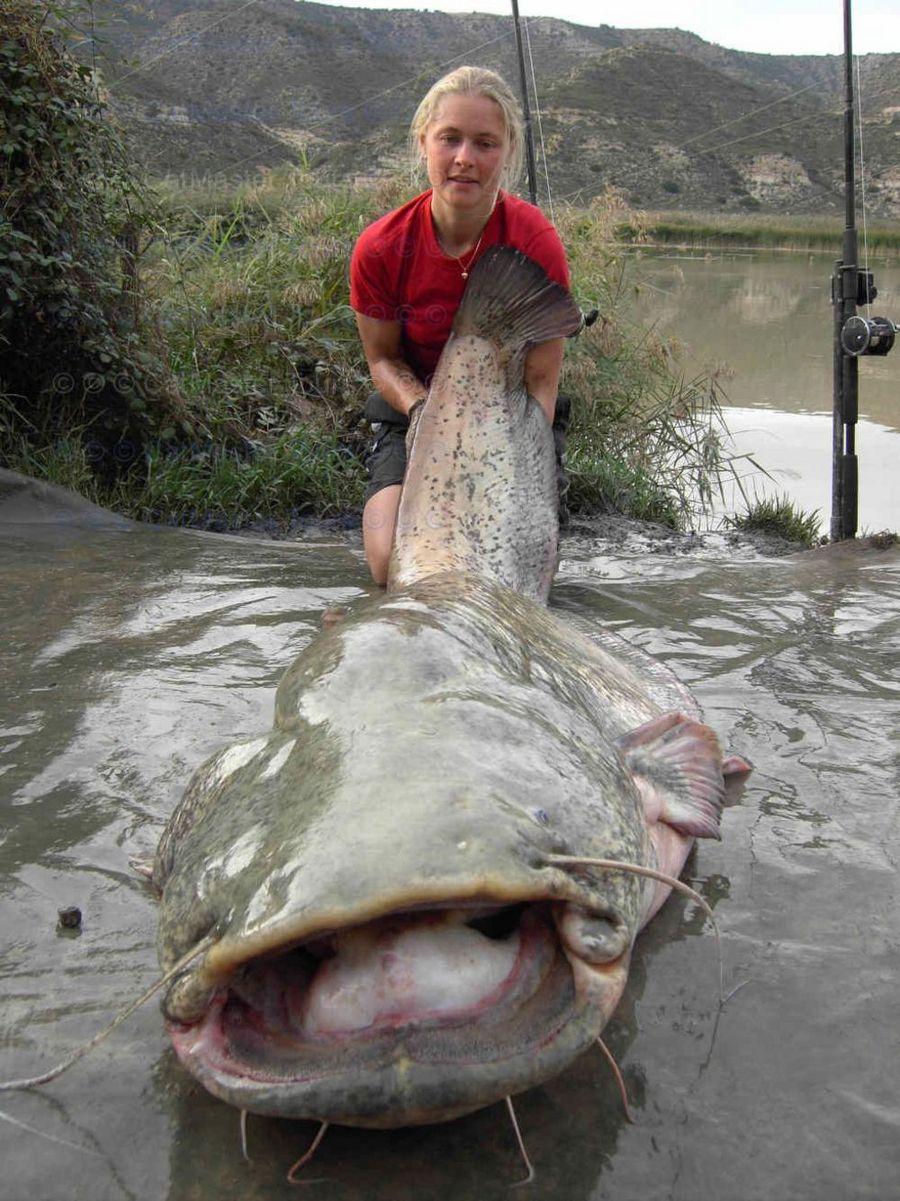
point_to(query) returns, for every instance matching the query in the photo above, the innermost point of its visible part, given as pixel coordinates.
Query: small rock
(70, 918)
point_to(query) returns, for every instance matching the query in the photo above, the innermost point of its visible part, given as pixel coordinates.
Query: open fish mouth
(419, 1016)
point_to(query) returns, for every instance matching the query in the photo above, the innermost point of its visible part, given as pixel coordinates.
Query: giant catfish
(382, 896)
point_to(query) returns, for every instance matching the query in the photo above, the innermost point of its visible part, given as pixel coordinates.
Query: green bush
(303, 471)
(73, 354)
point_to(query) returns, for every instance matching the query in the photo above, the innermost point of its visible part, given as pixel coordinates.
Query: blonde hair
(474, 81)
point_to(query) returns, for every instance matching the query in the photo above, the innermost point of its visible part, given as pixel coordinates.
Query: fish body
(389, 934)
(480, 496)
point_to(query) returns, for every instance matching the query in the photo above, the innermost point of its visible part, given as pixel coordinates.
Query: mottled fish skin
(454, 711)
(480, 493)
(431, 748)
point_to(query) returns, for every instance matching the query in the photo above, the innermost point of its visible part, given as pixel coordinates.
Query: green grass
(659, 457)
(250, 283)
(64, 462)
(304, 471)
(599, 483)
(763, 230)
(245, 287)
(781, 517)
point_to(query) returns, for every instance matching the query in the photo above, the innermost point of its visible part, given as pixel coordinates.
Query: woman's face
(465, 148)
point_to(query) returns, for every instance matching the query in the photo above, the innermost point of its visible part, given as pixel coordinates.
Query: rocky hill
(211, 86)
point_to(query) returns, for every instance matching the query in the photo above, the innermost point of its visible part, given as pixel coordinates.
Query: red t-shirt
(398, 271)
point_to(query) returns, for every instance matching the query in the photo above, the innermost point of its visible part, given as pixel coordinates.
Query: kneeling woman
(409, 271)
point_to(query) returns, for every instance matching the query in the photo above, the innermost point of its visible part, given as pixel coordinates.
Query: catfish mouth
(419, 1016)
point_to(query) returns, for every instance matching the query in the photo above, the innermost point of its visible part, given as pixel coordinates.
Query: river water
(131, 652)
(763, 322)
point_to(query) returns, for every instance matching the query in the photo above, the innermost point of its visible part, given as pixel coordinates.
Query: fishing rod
(526, 111)
(853, 335)
(588, 316)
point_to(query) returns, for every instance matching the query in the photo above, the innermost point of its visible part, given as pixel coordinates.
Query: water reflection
(769, 318)
(762, 322)
(764, 301)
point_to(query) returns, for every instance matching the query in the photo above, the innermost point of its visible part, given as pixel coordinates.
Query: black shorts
(386, 458)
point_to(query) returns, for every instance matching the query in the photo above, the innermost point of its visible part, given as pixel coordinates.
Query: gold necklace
(466, 267)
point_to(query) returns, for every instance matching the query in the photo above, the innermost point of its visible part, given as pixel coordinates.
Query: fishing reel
(868, 335)
(864, 335)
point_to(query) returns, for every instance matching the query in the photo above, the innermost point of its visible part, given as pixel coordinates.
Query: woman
(409, 271)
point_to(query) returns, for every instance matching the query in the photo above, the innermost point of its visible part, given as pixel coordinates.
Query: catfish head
(391, 941)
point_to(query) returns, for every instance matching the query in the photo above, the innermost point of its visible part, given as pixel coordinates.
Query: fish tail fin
(511, 300)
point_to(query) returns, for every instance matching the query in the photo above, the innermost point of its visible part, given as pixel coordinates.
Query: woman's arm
(401, 387)
(391, 374)
(543, 364)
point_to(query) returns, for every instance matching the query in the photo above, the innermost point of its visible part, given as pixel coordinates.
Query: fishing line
(793, 121)
(759, 133)
(61, 15)
(102, 1035)
(537, 111)
(862, 180)
(196, 34)
(746, 116)
(830, 115)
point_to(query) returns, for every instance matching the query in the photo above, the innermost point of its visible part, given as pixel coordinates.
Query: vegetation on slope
(676, 122)
(250, 288)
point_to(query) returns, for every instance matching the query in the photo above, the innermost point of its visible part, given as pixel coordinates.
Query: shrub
(72, 351)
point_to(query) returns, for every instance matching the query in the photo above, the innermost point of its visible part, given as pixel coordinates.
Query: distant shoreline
(758, 231)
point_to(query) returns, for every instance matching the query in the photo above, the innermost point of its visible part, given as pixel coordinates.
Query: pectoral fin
(677, 765)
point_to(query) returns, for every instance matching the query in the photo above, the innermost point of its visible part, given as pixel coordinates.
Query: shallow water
(130, 652)
(763, 321)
